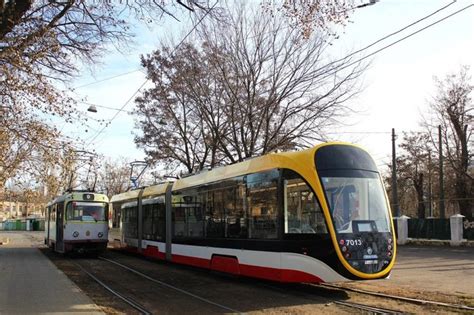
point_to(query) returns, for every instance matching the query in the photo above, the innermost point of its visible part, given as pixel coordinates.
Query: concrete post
(402, 229)
(456, 224)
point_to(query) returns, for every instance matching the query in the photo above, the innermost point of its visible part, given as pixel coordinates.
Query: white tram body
(77, 222)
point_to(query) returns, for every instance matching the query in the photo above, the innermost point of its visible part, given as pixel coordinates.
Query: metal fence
(468, 229)
(433, 228)
(22, 225)
(438, 229)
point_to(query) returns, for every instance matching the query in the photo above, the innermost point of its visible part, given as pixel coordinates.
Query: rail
(400, 298)
(169, 285)
(127, 300)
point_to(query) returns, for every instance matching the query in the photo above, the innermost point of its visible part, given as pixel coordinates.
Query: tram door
(47, 224)
(60, 227)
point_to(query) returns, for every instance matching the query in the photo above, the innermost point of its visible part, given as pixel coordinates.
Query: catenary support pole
(441, 176)
(394, 176)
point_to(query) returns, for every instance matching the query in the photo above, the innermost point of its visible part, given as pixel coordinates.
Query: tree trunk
(418, 183)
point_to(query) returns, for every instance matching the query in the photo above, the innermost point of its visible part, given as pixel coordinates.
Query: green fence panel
(468, 229)
(438, 229)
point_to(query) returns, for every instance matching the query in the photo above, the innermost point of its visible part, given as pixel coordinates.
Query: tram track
(169, 286)
(301, 292)
(358, 306)
(327, 294)
(400, 298)
(368, 308)
(128, 300)
(373, 309)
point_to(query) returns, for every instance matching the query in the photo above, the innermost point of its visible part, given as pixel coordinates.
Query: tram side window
(214, 212)
(235, 212)
(53, 213)
(188, 219)
(263, 205)
(159, 221)
(60, 212)
(130, 221)
(148, 222)
(302, 211)
(154, 219)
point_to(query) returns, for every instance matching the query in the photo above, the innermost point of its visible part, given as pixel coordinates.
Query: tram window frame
(264, 183)
(319, 230)
(235, 210)
(155, 218)
(61, 210)
(128, 219)
(159, 225)
(187, 205)
(147, 221)
(214, 212)
(53, 213)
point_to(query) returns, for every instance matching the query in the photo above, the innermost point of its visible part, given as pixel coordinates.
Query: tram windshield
(357, 204)
(353, 188)
(86, 211)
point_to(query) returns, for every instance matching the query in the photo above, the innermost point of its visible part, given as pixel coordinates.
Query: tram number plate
(357, 242)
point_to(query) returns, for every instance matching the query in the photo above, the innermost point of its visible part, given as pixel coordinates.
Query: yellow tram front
(358, 211)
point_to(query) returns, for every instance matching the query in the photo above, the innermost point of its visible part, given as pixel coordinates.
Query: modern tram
(319, 215)
(77, 222)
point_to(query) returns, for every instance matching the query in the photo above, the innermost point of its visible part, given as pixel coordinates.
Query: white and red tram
(77, 221)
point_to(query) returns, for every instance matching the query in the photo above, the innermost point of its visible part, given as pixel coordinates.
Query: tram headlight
(389, 241)
(344, 249)
(100, 234)
(389, 247)
(341, 242)
(389, 254)
(75, 234)
(347, 255)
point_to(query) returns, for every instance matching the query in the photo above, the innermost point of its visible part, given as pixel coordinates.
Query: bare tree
(42, 43)
(413, 168)
(248, 88)
(173, 124)
(452, 109)
(30, 143)
(114, 177)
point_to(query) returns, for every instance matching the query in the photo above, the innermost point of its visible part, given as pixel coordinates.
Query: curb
(433, 242)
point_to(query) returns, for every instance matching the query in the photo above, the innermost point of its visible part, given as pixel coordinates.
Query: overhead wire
(403, 38)
(391, 34)
(147, 79)
(341, 59)
(339, 69)
(289, 26)
(106, 79)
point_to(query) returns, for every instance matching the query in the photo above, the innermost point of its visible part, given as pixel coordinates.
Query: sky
(397, 86)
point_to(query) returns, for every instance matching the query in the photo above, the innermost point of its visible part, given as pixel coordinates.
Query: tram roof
(76, 195)
(300, 161)
(132, 194)
(293, 160)
(153, 190)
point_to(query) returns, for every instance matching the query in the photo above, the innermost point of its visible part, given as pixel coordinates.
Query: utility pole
(441, 175)
(394, 176)
(430, 192)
